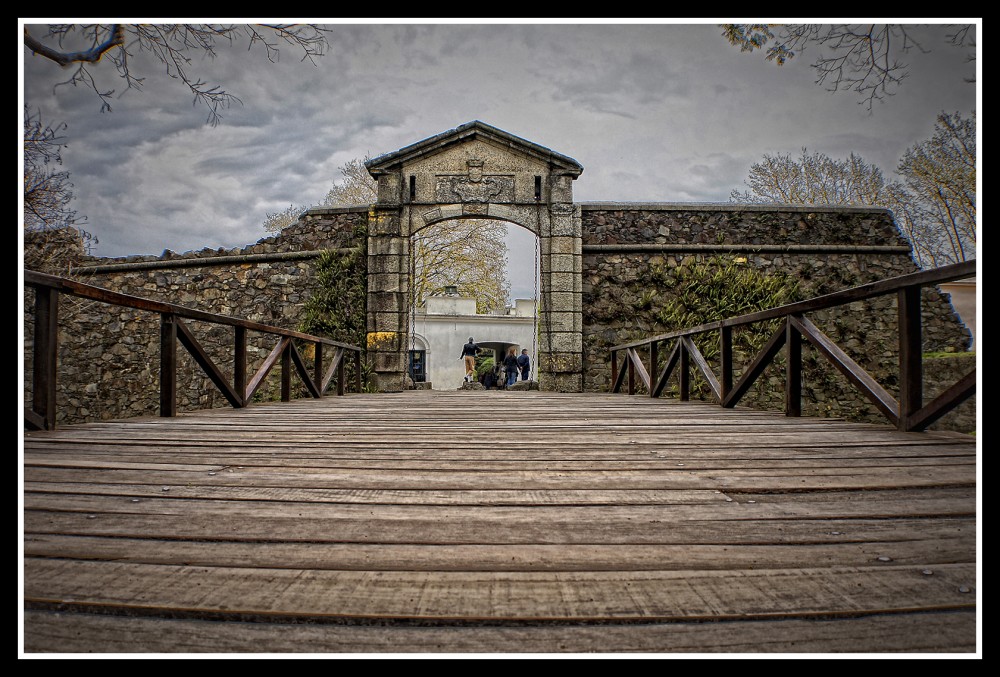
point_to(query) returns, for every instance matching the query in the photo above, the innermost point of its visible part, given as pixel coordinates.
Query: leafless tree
(468, 253)
(934, 205)
(82, 47)
(48, 191)
(864, 58)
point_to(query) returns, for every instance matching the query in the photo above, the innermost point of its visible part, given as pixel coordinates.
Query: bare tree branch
(171, 45)
(859, 58)
(934, 207)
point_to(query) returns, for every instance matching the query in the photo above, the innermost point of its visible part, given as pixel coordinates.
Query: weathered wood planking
(223, 530)
(931, 632)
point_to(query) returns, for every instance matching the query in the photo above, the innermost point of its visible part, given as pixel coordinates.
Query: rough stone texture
(939, 373)
(621, 293)
(109, 355)
(623, 223)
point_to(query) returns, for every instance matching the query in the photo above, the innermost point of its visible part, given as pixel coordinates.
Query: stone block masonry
(109, 356)
(634, 256)
(610, 286)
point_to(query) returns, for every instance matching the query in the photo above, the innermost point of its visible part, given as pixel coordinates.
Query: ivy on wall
(717, 288)
(338, 304)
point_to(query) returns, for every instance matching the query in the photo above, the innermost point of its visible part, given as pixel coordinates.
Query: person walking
(510, 366)
(524, 364)
(469, 351)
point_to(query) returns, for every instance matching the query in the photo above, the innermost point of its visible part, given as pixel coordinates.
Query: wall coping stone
(725, 207)
(193, 262)
(746, 248)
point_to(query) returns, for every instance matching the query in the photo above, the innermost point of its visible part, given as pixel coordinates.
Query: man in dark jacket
(524, 364)
(469, 351)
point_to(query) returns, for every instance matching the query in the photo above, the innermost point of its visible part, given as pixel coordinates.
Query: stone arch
(476, 171)
(499, 213)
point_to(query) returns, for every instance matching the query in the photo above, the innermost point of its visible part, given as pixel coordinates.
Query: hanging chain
(413, 303)
(534, 324)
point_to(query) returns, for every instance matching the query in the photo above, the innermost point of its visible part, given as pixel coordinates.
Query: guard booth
(418, 366)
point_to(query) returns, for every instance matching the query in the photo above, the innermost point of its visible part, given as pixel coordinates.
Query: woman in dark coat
(510, 366)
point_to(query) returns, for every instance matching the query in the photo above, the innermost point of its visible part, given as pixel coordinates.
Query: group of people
(502, 374)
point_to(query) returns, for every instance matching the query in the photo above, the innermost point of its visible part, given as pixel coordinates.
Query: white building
(963, 300)
(444, 325)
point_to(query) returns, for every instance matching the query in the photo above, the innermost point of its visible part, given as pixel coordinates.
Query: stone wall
(633, 255)
(109, 355)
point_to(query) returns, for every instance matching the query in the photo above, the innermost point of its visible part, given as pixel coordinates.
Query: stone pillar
(560, 352)
(388, 295)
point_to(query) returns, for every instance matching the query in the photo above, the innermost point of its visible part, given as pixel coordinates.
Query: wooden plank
(45, 358)
(76, 288)
(168, 365)
(933, 632)
(265, 368)
(472, 530)
(723, 508)
(702, 364)
(583, 595)
(207, 365)
(911, 388)
(861, 379)
(635, 515)
(923, 552)
(370, 496)
(740, 479)
(756, 368)
(950, 398)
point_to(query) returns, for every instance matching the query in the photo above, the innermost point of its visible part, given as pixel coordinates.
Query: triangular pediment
(469, 133)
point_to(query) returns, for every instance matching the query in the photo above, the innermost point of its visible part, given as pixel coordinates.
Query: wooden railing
(909, 413)
(41, 415)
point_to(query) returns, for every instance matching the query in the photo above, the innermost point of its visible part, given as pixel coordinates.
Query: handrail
(908, 413)
(41, 414)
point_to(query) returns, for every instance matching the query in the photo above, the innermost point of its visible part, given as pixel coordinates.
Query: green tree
(82, 47)
(863, 58)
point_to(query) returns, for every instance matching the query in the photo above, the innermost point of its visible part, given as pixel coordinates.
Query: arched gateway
(476, 171)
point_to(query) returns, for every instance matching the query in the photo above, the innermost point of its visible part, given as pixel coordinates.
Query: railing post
(614, 369)
(318, 367)
(911, 388)
(341, 380)
(793, 370)
(46, 347)
(286, 372)
(684, 375)
(653, 360)
(240, 364)
(168, 365)
(631, 373)
(357, 370)
(726, 358)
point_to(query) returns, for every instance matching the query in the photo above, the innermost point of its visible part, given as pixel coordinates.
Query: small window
(413, 188)
(538, 189)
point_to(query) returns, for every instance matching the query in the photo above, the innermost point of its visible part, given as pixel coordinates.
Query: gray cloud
(655, 112)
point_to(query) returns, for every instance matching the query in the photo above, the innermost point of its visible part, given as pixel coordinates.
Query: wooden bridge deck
(497, 522)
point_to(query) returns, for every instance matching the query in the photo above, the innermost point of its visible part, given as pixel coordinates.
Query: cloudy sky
(654, 110)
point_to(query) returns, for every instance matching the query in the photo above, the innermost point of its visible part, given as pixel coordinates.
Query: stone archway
(477, 171)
